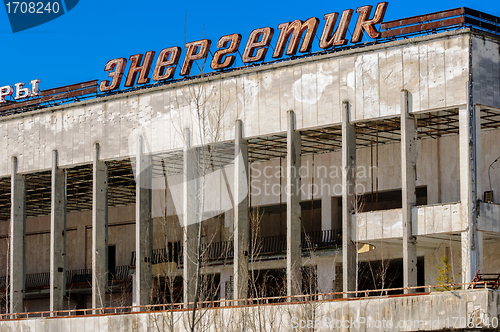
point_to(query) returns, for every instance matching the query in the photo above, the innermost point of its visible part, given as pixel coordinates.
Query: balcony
(430, 219)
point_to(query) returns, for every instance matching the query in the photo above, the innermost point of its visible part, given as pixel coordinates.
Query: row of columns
(469, 182)
(470, 191)
(349, 206)
(17, 243)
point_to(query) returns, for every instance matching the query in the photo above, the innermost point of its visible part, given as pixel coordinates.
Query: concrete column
(57, 236)
(191, 218)
(143, 180)
(470, 189)
(225, 280)
(17, 248)
(408, 187)
(134, 293)
(326, 213)
(293, 213)
(349, 247)
(99, 230)
(241, 219)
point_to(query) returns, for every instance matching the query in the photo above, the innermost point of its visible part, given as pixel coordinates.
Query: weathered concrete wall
(490, 152)
(439, 310)
(437, 218)
(485, 69)
(430, 219)
(433, 69)
(491, 262)
(489, 217)
(379, 224)
(79, 239)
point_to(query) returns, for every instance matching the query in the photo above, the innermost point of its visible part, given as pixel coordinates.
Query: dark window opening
(386, 200)
(112, 260)
(388, 273)
(273, 221)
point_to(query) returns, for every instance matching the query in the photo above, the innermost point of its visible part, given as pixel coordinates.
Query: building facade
(362, 168)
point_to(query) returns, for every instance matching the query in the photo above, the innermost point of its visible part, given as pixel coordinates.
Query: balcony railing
(267, 245)
(74, 278)
(38, 280)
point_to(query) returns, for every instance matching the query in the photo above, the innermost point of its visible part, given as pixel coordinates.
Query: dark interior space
(387, 273)
(386, 200)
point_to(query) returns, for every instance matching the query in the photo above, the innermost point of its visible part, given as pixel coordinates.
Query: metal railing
(266, 245)
(37, 280)
(73, 277)
(252, 302)
(440, 21)
(120, 273)
(218, 250)
(52, 97)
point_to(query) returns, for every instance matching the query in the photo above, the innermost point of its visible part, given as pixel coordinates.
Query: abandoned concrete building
(364, 167)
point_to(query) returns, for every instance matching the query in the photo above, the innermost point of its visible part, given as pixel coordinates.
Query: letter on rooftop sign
(165, 66)
(20, 91)
(294, 31)
(229, 45)
(118, 65)
(258, 46)
(338, 39)
(196, 50)
(5, 91)
(142, 70)
(368, 25)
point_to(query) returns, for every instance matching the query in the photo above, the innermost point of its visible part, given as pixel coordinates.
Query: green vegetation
(444, 277)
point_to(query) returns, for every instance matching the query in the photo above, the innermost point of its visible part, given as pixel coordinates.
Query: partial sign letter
(35, 87)
(4, 92)
(119, 68)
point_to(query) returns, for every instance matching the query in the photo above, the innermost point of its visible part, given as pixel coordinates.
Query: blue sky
(76, 46)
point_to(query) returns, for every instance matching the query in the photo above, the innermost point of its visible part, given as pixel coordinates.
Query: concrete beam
(57, 236)
(349, 247)
(293, 213)
(191, 218)
(470, 189)
(99, 230)
(241, 214)
(408, 188)
(17, 254)
(143, 225)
